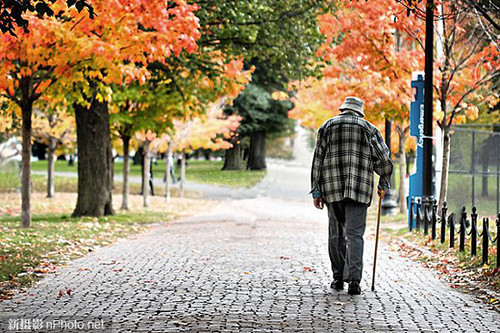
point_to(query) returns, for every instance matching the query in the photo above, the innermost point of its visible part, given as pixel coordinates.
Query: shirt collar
(349, 112)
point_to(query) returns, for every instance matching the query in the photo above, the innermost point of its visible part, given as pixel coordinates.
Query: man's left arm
(382, 161)
(317, 165)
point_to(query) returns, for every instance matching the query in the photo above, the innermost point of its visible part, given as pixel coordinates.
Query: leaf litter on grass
(55, 239)
(466, 276)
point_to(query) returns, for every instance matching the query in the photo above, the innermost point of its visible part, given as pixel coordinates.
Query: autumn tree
(136, 109)
(79, 58)
(278, 38)
(179, 88)
(464, 73)
(55, 128)
(212, 130)
(160, 30)
(26, 72)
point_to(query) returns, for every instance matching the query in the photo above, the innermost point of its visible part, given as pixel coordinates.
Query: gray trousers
(347, 224)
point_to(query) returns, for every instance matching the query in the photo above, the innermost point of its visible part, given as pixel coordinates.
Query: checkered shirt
(348, 150)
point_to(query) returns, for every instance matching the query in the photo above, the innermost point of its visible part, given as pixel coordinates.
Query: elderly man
(348, 150)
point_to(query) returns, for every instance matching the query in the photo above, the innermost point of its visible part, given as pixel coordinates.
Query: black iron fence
(474, 170)
(424, 215)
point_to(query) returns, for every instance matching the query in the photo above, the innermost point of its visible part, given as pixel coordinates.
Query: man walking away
(348, 150)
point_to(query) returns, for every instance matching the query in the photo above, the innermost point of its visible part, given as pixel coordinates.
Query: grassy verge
(55, 237)
(208, 172)
(460, 269)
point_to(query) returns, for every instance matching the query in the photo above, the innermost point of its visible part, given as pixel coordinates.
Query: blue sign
(417, 130)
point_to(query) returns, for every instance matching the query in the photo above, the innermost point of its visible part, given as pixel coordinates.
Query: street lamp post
(427, 172)
(389, 204)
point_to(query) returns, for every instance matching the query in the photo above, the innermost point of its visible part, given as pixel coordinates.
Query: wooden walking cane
(376, 239)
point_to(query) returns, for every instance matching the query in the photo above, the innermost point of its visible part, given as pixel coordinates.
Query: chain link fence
(474, 171)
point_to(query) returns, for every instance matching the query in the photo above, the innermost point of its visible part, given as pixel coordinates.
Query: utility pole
(428, 92)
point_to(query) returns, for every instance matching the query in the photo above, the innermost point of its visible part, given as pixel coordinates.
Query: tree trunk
(183, 173)
(403, 190)
(27, 110)
(126, 171)
(145, 173)
(51, 168)
(141, 159)
(112, 172)
(167, 171)
(446, 162)
(94, 160)
(232, 160)
(257, 156)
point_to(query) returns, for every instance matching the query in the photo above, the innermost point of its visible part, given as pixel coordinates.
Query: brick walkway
(254, 265)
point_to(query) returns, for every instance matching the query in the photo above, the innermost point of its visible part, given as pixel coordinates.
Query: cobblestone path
(253, 265)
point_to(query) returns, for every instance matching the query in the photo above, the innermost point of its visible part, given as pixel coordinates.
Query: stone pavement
(252, 265)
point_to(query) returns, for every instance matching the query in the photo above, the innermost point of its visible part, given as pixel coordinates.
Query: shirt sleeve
(316, 193)
(381, 156)
(317, 164)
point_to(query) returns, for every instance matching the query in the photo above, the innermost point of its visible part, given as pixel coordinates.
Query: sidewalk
(253, 265)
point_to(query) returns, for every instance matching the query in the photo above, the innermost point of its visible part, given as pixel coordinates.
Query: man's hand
(382, 189)
(318, 203)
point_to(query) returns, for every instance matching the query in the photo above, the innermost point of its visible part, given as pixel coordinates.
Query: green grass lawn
(10, 183)
(208, 172)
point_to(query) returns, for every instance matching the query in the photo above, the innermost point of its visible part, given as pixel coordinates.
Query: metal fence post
(425, 206)
(486, 223)
(498, 240)
(463, 218)
(473, 168)
(443, 222)
(434, 218)
(451, 222)
(412, 206)
(473, 232)
(419, 214)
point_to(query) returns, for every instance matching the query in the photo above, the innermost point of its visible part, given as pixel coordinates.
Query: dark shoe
(337, 284)
(354, 288)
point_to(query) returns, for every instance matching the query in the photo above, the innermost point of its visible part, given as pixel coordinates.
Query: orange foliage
(209, 131)
(463, 73)
(114, 47)
(367, 57)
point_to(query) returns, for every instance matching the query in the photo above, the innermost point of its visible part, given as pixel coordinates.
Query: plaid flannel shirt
(348, 150)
